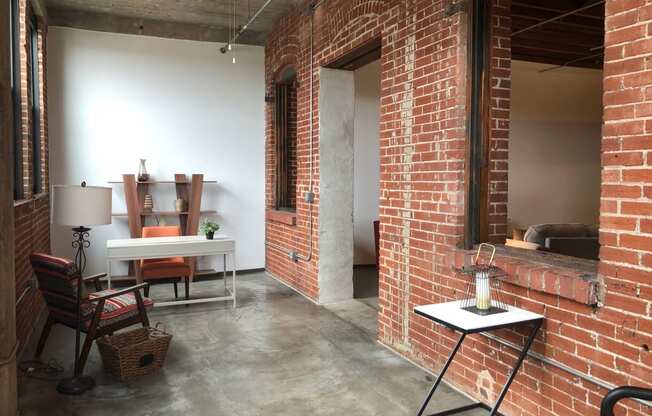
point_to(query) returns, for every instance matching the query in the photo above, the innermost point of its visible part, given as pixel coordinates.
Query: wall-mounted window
(14, 29)
(285, 112)
(35, 96)
(535, 137)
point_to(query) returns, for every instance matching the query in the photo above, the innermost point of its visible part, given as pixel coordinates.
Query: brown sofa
(577, 240)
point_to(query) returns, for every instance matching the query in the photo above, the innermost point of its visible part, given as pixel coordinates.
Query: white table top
(163, 247)
(450, 314)
(131, 242)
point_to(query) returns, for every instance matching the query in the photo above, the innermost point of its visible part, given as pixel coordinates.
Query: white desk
(184, 246)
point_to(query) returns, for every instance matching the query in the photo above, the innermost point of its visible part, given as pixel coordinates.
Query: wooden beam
(560, 7)
(8, 346)
(194, 205)
(181, 185)
(359, 57)
(556, 18)
(135, 220)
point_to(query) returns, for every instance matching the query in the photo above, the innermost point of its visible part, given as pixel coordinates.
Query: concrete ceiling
(206, 20)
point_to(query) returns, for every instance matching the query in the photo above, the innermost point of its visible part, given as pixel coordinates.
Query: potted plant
(209, 228)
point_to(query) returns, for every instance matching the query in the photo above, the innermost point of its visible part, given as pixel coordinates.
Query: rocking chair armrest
(93, 277)
(117, 293)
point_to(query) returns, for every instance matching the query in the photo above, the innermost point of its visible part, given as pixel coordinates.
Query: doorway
(366, 182)
(349, 175)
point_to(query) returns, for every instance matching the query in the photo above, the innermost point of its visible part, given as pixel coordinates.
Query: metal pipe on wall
(309, 197)
(559, 365)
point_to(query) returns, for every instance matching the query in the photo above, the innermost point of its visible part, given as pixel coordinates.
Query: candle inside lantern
(482, 293)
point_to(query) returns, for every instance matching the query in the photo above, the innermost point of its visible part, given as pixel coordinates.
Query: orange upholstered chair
(169, 269)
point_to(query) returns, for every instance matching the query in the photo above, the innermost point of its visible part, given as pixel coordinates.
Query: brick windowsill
(284, 217)
(567, 277)
(20, 202)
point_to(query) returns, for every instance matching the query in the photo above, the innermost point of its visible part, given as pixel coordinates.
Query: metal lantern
(482, 295)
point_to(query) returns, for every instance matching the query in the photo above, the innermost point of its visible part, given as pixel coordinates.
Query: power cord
(50, 371)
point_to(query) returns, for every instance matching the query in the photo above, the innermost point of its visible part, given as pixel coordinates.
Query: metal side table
(451, 315)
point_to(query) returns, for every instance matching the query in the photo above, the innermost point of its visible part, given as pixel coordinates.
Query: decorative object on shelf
(74, 206)
(482, 295)
(148, 205)
(180, 205)
(143, 176)
(209, 228)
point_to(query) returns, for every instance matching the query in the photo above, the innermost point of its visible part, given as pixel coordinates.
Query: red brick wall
(32, 231)
(626, 235)
(604, 331)
(32, 212)
(290, 49)
(499, 129)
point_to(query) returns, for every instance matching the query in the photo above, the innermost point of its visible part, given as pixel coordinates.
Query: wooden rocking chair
(100, 313)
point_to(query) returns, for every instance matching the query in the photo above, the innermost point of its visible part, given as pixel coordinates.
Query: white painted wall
(366, 149)
(182, 105)
(554, 145)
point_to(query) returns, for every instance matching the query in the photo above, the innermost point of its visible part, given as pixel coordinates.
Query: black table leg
(441, 375)
(521, 357)
(512, 375)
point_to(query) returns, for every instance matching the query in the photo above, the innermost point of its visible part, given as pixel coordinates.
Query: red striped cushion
(119, 305)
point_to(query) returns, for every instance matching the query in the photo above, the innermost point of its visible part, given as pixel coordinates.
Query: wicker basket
(134, 353)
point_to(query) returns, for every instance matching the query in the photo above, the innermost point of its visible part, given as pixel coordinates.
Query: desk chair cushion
(167, 267)
(164, 268)
(115, 309)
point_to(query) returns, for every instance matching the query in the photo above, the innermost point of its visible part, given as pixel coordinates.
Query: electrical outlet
(309, 197)
(294, 256)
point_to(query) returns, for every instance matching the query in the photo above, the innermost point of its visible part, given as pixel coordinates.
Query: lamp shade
(81, 205)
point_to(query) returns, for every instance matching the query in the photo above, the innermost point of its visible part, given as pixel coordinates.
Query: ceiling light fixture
(238, 31)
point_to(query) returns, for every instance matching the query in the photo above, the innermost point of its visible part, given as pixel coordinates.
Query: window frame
(476, 221)
(282, 100)
(479, 125)
(14, 35)
(35, 110)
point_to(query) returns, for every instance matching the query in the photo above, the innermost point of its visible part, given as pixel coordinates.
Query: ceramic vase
(143, 176)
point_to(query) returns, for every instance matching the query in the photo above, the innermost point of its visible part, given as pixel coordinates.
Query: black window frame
(476, 220)
(14, 36)
(285, 198)
(35, 95)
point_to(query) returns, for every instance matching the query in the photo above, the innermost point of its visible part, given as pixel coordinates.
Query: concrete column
(8, 390)
(336, 121)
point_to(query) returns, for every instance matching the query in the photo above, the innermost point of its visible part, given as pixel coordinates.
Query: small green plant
(208, 227)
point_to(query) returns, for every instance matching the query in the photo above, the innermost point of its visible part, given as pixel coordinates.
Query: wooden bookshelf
(188, 190)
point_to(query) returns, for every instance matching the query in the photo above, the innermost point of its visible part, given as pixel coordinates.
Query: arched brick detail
(286, 56)
(345, 17)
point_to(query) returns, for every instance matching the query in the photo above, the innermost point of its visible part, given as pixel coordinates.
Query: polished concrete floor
(275, 354)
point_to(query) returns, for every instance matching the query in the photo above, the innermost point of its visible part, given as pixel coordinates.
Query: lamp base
(75, 385)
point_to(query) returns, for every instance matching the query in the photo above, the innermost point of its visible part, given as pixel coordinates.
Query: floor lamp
(79, 207)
